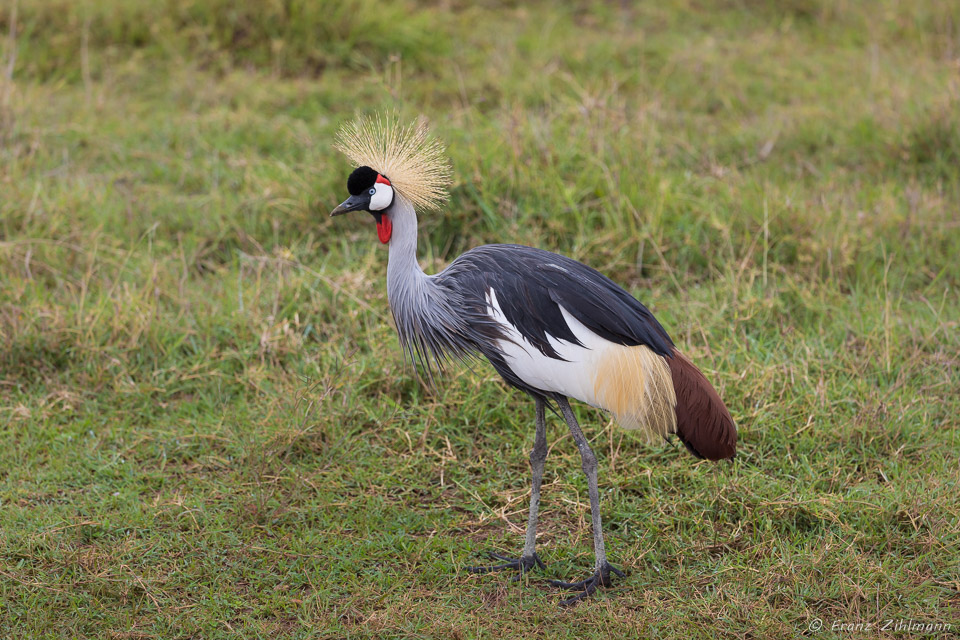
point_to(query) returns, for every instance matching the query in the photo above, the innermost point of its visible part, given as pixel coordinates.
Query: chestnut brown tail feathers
(703, 423)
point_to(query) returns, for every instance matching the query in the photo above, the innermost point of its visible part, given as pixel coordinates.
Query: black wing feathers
(532, 284)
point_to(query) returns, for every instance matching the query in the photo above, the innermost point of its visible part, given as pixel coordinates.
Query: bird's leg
(538, 455)
(602, 568)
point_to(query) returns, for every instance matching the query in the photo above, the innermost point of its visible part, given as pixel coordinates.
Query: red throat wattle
(384, 229)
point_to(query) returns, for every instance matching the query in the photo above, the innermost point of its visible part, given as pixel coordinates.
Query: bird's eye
(372, 191)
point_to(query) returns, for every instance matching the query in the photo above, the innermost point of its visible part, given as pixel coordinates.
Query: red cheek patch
(384, 229)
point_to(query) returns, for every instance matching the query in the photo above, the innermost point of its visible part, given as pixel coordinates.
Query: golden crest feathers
(415, 163)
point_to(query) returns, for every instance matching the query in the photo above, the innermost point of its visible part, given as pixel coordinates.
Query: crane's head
(372, 192)
(415, 163)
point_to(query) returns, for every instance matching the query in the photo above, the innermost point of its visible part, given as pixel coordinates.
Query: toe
(523, 564)
(496, 567)
(591, 587)
(587, 586)
(581, 584)
(497, 556)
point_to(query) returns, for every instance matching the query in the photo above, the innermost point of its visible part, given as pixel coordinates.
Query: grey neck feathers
(423, 309)
(404, 275)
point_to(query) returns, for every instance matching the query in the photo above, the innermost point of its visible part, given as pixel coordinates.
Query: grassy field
(207, 428)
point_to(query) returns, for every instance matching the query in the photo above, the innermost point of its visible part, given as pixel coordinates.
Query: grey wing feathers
(531, 286)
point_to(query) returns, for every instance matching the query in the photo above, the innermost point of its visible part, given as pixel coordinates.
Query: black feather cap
(360, 180)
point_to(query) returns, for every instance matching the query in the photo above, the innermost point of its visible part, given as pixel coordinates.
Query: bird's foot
(601, 578)
(523, 563)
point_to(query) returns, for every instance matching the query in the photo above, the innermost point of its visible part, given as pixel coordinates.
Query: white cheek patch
(382, 198)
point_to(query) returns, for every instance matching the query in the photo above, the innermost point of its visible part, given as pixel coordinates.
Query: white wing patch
(632, 382)
(571, 378)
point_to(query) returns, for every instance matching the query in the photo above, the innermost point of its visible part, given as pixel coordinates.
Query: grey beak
(353, 203)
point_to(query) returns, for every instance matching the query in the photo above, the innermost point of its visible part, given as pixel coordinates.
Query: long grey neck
(432, 318)
(405, 278)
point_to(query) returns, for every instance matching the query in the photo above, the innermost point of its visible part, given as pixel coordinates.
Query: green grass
(206, 425)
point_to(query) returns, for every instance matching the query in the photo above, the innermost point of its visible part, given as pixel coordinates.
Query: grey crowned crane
(549, 325)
